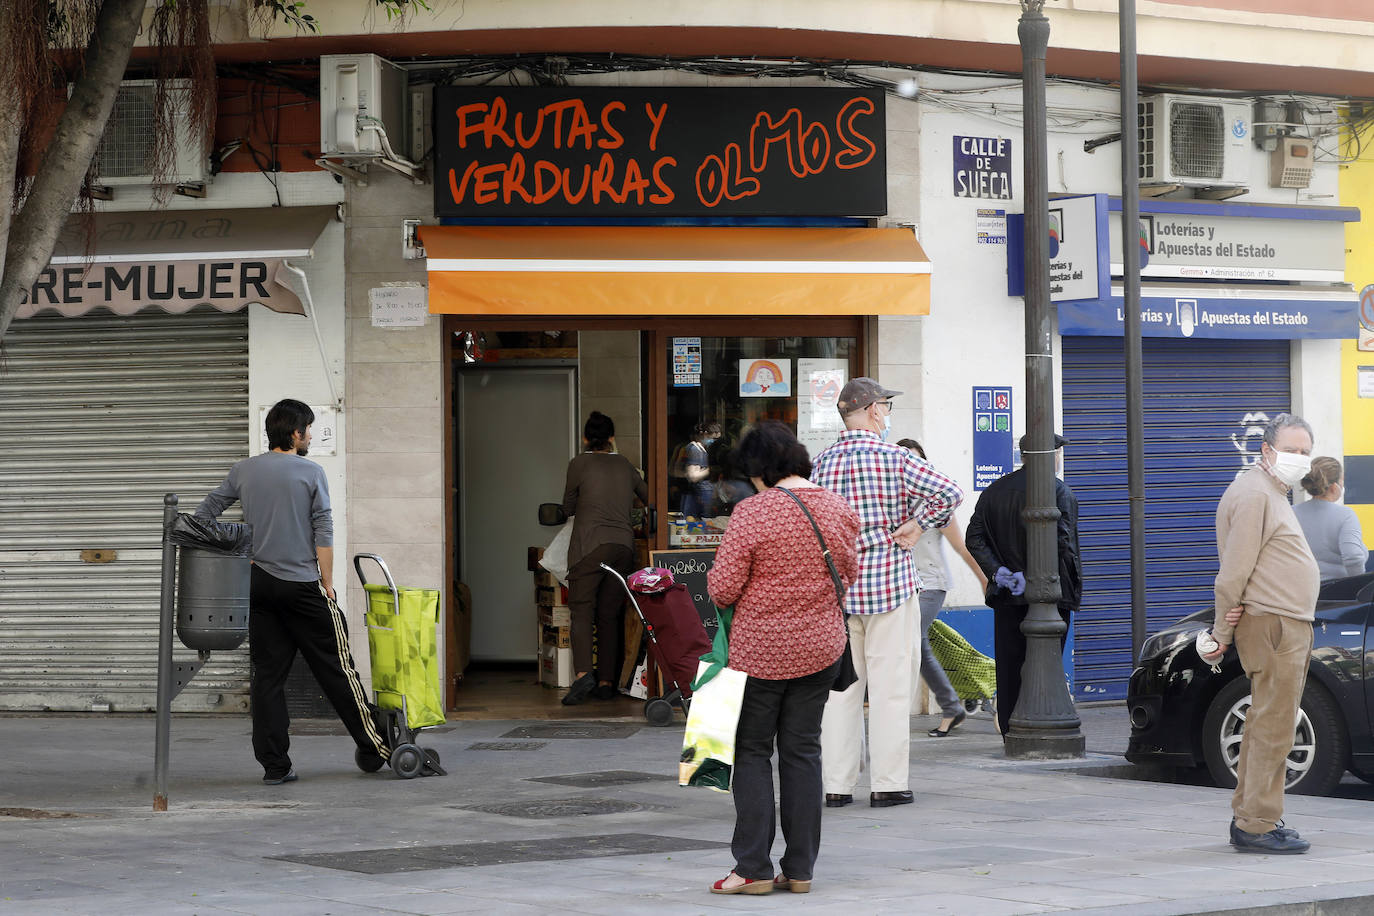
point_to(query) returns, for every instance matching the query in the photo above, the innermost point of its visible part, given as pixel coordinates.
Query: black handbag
(846, 675)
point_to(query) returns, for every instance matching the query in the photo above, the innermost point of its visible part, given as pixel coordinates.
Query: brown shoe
(796, 886)
(888, 799)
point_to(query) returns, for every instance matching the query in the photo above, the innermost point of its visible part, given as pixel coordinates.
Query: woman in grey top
(929, 556)
(1332, 530)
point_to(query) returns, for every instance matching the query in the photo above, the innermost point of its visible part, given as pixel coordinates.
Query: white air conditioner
(1194, 141)
(364, 103)
(125, 154)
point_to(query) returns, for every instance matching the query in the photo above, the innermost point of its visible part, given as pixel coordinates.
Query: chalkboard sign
(689, 568)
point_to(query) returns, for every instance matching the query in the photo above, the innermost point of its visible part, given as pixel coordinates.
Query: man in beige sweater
(1266, 596)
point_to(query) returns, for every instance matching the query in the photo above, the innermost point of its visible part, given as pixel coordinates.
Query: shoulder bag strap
(825, 551)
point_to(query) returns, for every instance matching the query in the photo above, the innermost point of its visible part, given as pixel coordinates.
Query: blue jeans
(789, 710)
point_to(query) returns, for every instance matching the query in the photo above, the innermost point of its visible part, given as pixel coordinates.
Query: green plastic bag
(708, 743)
(405, 662)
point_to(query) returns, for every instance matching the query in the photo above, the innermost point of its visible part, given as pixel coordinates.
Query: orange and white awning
(674, 270)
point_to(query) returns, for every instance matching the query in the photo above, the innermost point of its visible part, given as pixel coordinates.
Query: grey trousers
(936, 679)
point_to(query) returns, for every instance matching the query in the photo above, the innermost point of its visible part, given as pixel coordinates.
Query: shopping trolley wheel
(972, 706)
(407, 761)
(368, 761)
(658, 711)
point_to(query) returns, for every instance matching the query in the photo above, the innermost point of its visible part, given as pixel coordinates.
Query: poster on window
(818, 389)
(765, 378)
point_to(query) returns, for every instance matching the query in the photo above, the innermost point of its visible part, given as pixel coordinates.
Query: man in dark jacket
(996, 538)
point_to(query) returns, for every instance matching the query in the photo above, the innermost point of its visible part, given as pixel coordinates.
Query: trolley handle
(386, 573)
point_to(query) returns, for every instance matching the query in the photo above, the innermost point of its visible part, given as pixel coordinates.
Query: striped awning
(674, 270)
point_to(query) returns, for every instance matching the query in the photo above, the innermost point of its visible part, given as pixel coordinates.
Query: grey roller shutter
(99, 417)
(1205, 405)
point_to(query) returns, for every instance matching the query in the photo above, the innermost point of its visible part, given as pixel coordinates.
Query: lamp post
(1044, 723)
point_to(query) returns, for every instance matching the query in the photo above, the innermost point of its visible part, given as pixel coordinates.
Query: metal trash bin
(213, 582)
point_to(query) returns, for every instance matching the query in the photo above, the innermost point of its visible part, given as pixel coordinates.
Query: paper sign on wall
(398, 305)
(686, 362)
(765, 378)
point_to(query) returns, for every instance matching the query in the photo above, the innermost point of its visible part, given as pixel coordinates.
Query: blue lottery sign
(991, 435)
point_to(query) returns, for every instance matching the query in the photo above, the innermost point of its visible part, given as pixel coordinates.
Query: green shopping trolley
(972, 674)
(405, 668)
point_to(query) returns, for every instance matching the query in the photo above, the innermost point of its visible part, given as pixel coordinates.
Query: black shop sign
(602, 151)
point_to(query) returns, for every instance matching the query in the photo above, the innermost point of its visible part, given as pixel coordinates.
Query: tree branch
(34, 231)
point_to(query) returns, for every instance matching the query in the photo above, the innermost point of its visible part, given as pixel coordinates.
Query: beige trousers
(1274, 651)
(882, 647)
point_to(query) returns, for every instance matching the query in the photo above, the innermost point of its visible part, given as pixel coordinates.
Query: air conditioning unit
(1194, 141)
(364, 102)
(125, 154)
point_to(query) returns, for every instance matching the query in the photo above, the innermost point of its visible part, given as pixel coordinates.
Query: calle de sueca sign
(600, 151)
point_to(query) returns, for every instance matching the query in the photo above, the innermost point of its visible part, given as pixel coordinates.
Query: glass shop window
(718, 388)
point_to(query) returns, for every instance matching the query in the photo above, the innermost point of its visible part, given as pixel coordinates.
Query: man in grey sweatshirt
(292, 604)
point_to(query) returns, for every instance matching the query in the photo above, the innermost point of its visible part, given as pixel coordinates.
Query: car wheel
(1320, 744)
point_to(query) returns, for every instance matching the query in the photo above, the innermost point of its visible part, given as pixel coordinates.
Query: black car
(1184, 714)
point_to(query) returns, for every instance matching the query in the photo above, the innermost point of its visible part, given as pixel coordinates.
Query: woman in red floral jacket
(787, 636)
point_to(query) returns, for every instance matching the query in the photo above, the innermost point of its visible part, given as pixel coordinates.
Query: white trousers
(882, 646)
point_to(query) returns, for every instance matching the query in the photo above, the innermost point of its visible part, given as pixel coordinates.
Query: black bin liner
(230, 539)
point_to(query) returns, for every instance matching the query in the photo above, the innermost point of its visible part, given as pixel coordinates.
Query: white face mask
(1290, 468)
(887, 426)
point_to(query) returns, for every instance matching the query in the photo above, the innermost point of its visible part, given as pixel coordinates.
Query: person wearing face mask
(897, 497)
(696, 502)
(1266, 596)
(1332, 530)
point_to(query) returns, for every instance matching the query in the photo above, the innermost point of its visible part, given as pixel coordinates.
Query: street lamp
(1044, 723)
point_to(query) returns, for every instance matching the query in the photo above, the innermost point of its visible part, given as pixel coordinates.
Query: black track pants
(284, 617)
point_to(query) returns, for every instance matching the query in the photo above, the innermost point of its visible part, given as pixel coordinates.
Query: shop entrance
(522, 388)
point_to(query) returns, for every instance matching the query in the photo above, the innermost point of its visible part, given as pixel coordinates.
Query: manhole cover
(507, 745)
(607, 778)
(573, 730)
(541, 808)
(507, 852)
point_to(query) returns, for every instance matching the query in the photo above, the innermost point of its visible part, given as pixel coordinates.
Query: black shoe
(580, 690)
(889, 799)
(938, 732)
(288, 776)
(1272, 842)
(1278, 828)
(605, 692)
(838, 801)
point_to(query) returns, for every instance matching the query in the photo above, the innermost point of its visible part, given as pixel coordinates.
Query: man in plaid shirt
(897, 497)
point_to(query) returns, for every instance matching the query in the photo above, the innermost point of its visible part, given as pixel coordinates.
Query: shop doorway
(519, 431)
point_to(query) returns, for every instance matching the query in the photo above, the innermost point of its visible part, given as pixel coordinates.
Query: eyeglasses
(887, 404)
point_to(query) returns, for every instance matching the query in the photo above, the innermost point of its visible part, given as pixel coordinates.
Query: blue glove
(1014, 582)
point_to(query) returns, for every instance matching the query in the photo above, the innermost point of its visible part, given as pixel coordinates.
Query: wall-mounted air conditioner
(125, 154)
(1194, 141)
(363, 106)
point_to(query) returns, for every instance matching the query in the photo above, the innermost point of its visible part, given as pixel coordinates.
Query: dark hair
(1325, 471)
(598, 431)
(772, 452)
(913, 445)
(287, 417)
(706, 428)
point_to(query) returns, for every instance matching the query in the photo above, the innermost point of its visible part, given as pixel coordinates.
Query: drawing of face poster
(765, 378)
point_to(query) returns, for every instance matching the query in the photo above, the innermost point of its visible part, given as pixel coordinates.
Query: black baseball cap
(1024, 443)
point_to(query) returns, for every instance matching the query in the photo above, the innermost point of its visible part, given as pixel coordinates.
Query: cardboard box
(532, 557)
(561, 637)
(551, 596)
(545, 578)
(555, 667)
(559, 616)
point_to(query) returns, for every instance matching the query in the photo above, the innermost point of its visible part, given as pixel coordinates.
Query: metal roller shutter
(1205, 405)
(99, 417)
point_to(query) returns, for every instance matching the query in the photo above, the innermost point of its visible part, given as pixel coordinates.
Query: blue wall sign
(1187, 314)
(982, 167)
(991, 435)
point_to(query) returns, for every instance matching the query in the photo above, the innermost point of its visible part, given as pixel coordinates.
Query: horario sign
(601, 151)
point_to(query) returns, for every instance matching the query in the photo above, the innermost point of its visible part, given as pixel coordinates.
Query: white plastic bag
(555, 558)
(708, 742)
